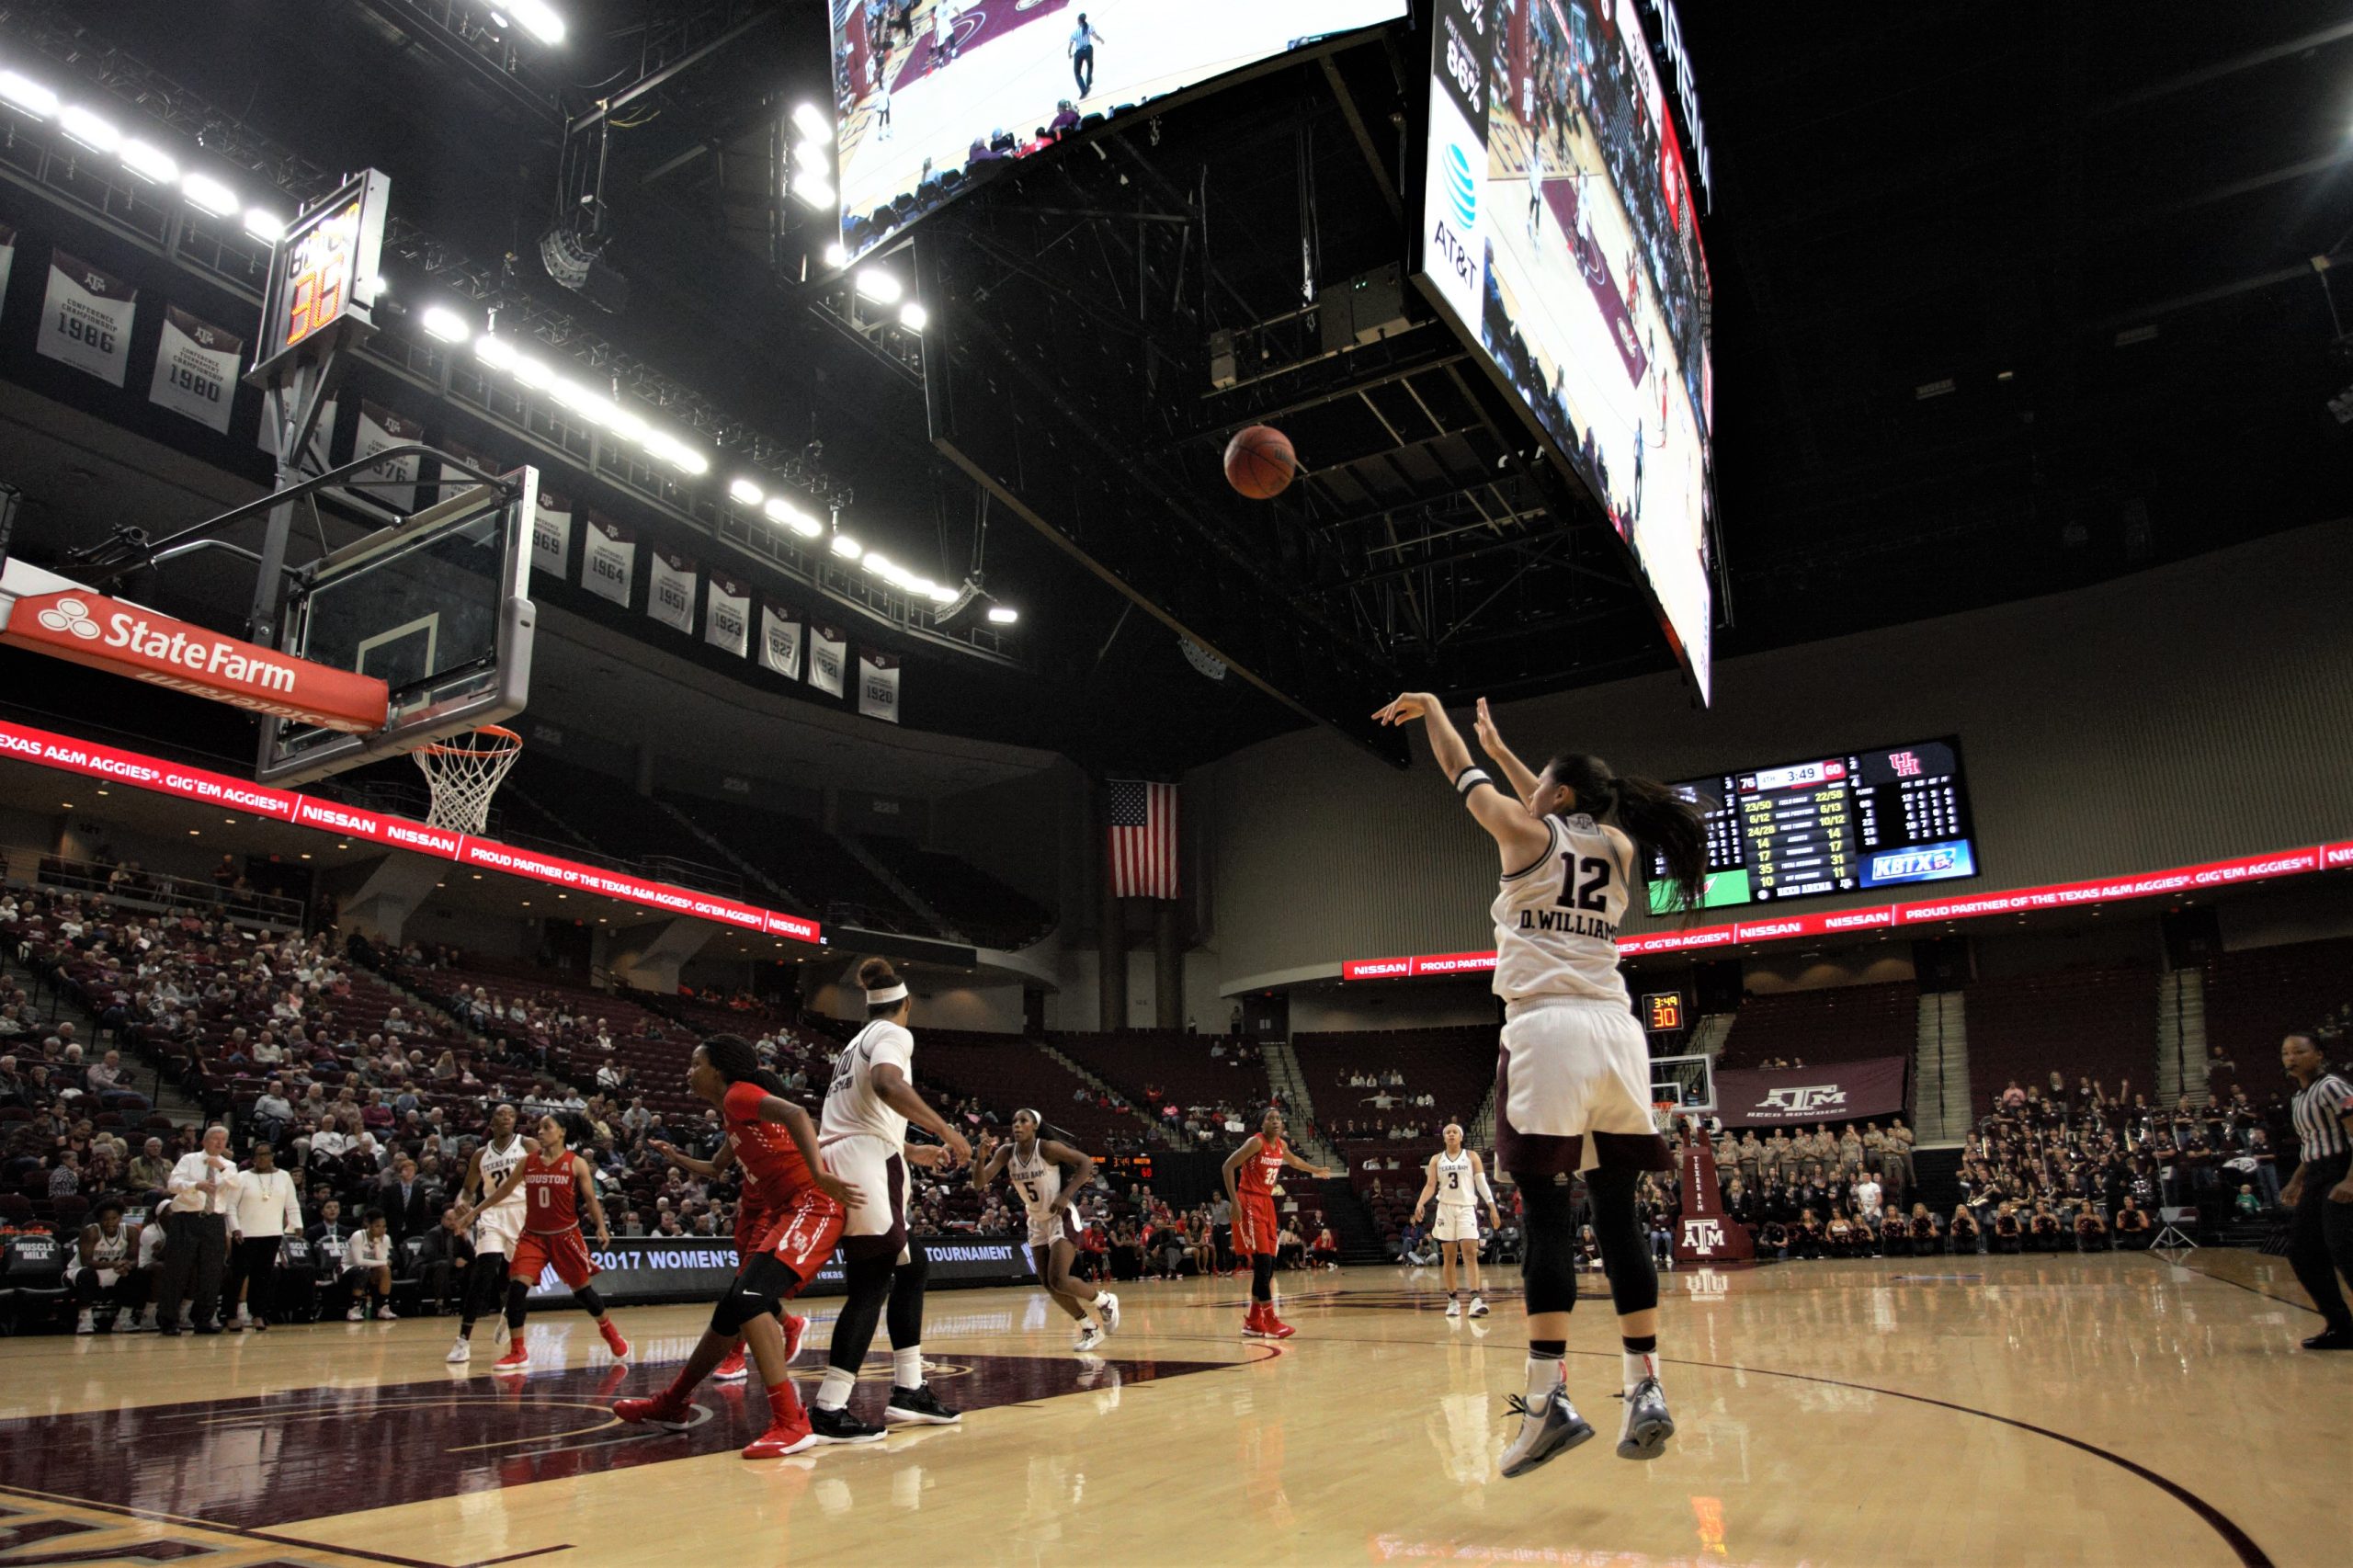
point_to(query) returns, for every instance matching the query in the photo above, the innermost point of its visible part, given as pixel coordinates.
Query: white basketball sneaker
(1478, 1307)
(1453, 1308)
(1547, 1429)
(1110, 1311)
(461, 1353)
(1089, 1336)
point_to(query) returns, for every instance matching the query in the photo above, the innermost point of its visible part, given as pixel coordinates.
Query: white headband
(1032, 1115)
(895, 994)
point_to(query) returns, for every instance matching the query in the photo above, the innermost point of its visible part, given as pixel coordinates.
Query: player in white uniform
(1035, 1166)
(863, 1133)
(1456, 1178)
(496, 1228)
(1573, 1073)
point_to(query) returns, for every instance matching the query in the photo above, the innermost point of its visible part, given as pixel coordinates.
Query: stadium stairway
(1938, 1177)
(756, 877)
(899, 890)
(1708, 1039)
(2181, 1036)
(1150, 1125)
(1941, 1097)
(1351, 1225)
(1284, 1078)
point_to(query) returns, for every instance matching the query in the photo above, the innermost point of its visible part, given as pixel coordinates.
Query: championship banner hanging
(670, 590)
(86, 321)
(196, 370)
(878, 686)
(1841, 1091)
(607, 559)
(551, 535)
(7, 257)
(827, 654)
(320, 434)
(727, 616)
(780, 642)
(381, 430)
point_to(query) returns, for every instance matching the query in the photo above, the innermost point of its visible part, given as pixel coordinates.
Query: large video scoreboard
(1833, 825)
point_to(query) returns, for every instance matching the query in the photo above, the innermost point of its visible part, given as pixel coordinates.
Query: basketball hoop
(464, 772)
(1662, 1115)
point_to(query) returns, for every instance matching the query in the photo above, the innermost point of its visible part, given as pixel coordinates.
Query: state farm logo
(1797, 1102)
(71, 614)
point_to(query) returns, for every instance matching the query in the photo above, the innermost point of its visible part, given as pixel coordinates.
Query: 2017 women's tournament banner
(1839, 1091)
(653, 1269)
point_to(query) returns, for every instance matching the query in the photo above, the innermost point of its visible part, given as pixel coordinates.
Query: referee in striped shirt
(2319, 1237)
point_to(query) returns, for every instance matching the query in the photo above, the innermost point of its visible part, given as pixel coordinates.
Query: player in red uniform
(776, 1142)
(751, 1223)
(555, 1182)
(1250, 1174)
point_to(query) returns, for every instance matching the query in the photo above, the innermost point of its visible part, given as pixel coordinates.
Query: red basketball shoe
(731, 1370)
(662, 1409)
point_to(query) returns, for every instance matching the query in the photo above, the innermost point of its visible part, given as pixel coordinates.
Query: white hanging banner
(670, 590)
(320, 434)
(607, 559)
(727, 616)
(196, 369)
(86, 321)
(878, 686)
(7, 257)
(779, 642)
(551, 535)
(826, 654)
(381, 430)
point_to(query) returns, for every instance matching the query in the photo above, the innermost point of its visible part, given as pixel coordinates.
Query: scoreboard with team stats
(1834, 824)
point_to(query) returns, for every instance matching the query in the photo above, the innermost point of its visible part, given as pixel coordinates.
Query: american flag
(1143, 838)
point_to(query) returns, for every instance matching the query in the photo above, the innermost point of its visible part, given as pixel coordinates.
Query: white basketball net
(464, 773)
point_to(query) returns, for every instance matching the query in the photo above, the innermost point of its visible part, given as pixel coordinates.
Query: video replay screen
(1558, 228)
(925, 89)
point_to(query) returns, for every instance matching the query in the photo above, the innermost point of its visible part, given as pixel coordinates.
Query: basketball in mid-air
(1260, 462)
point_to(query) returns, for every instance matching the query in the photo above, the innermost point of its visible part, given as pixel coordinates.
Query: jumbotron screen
(922, 93)
(1832, 824)
(1557, 227)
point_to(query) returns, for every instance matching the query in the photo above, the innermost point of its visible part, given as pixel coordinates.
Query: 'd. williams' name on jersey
(1557, 918)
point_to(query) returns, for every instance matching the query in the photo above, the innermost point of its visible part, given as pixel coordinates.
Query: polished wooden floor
(1961, 1411)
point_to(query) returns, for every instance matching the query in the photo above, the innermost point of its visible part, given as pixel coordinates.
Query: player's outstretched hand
(960, 1146)
(838, 1190)
(1490, 738)
(1408, 707)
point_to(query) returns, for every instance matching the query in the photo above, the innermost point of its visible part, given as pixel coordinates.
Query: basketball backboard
(438, 607)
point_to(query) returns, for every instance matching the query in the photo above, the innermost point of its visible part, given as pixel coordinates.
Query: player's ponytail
(880, 981)
(1659, 821)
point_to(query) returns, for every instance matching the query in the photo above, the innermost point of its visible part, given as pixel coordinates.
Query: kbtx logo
(1799, 1102)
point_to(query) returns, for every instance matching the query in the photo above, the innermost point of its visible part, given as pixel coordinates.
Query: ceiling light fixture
(538, 20)
(264, 224)
(811, 190)
(26, 96)
(208, 194)
(913, 316)
(494, 352)
(836, 255)
(89, 127)
(880, 286)
(151, 164)
(814, 122)
(745, 491)
(447, 324)
(847, 547)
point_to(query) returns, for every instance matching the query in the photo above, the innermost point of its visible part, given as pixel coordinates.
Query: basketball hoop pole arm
(129, 549)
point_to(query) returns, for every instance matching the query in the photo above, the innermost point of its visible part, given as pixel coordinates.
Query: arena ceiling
(2008, 298)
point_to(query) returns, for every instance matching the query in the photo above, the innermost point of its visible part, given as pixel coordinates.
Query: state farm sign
(128, 640)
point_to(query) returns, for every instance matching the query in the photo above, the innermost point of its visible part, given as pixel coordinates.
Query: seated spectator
(1325, 1252)
(102, 1270)
(367, 1270)
(2132, 1225)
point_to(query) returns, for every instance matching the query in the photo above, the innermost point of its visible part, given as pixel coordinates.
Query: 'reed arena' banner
(661, 1268)
(1839, 1091)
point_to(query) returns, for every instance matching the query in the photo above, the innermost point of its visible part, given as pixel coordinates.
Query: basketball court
(2103, 1409)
